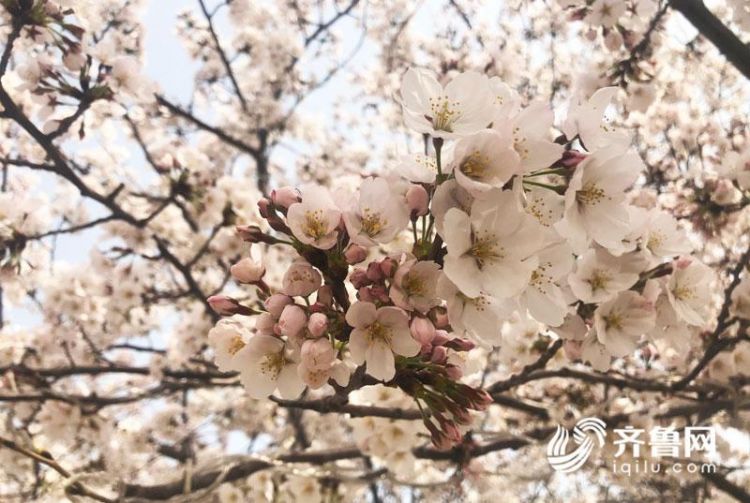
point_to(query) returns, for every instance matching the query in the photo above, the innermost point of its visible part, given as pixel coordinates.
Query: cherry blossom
(378, 335)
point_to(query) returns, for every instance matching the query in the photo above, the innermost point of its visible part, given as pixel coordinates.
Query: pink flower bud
(285, 197)
(683, 262)
(441, 319)
(301, 279)
(248, 270)
(417, 200)
(365, 295)
(459, 344)
(354, 254)
(227, 306)
(439, 355)
(358, 278)
(317, 354)
(380, 293)
(388, 267)
(265, 324)
(571, 158)
(292, 320)
(318, 324)
(422, 330)
(263, 207)
(374, 272)
(250, 233)
(454, 372)
(452, 431)
(276, 303)
(441, 337)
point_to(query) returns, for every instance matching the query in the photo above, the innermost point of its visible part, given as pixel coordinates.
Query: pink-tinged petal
(260, 344)
(538, 154)
(361, 314)
(404, 344)
(457, 231)
(257, 383)
(358, 345)
(463, 272)
(507, 279)
(549, 307)
(380, 362)
(289, 383)
(393, 316)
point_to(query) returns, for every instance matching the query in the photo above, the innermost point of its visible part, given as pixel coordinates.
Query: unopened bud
(248, 271)
(417, 200)
(354, 254)
(227, 306)
(285, 197)
(317, 324)
(422, 330)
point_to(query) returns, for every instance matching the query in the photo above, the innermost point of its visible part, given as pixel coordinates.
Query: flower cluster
(505, 223)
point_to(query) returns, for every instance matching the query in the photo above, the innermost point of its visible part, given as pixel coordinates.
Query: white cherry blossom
(689, 290)
(458, 109)
(492, 249)
(378, 334)
(595, 207)
(315, 220)
(378, 215)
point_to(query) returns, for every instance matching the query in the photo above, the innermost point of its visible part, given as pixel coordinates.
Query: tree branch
(715, 31)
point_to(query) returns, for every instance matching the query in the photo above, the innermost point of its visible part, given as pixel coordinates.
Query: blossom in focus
(492, 249)
(530, 130)
(268, 365)
(414, 284)
(227, 337)
(314, 220)
(479, 318)
(458, 109)
(689, 290)
(586, 119)
(301, 279)
(378, 215)
(600, 276)
(544, 298)
(595, 207)
(378, 334)
(484, 161)
(621, 321)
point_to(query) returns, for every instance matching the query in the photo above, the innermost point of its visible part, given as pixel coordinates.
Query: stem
(438, 144)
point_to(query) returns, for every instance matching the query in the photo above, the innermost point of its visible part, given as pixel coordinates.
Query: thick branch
(717, 32)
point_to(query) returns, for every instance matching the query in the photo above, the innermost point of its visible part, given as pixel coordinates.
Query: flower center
(444, 113)
(372, 222)
(684, 293)
(519, 144)
(537, 208)
(315, 227)
(273, 363)
(377, 332)
(655, 240)
(590, 195)
(485, 249)
(236, 344)
(613, 320)
(413, 284)
(540, 279)
(598, 280)
(475, 165)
